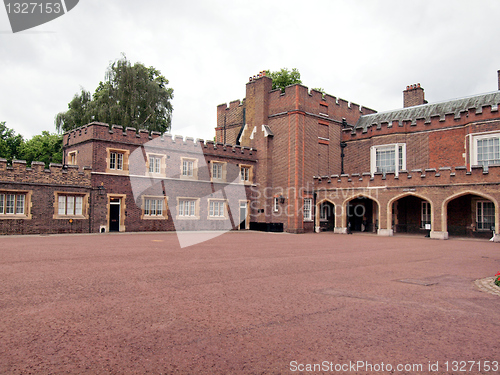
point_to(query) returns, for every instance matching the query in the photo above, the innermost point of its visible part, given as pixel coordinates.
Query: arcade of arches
(387, 212)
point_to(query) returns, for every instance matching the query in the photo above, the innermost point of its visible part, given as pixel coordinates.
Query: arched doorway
(411, 214)
(470, 215)
(326, 215)
(362, 215)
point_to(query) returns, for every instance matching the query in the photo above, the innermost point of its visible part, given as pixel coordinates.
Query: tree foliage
(78, 114)
(284, 77)
(46, 147)
(10, 143)
(130, 95)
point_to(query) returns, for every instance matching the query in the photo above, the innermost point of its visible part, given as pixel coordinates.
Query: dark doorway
(470, 216)
(410, 214)
(360, 215)
(114, 215)
(327, 216)
(243, 215)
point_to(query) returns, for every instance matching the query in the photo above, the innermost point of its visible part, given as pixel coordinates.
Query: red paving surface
(244, 303)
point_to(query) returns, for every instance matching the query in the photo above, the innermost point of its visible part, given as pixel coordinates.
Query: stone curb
(487, 285)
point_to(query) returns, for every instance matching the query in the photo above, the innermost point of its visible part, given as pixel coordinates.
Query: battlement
(102, 132)
(56, 173)
(299, 97)
(444, 176)
(180, 144)
(426, 117)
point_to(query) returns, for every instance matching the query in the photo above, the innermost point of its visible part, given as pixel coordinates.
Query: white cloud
(362, 51)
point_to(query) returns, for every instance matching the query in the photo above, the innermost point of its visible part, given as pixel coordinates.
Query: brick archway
(371, 222)
(405, 195)
(446, 202)
(330, 218)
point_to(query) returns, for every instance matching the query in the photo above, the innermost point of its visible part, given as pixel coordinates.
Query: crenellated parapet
(177, 143)
(444, 176)
(300, 98)
(103, 132)
(426, 117)
(18, 172)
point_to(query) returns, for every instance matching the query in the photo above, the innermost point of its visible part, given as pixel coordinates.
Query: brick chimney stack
(413, 95)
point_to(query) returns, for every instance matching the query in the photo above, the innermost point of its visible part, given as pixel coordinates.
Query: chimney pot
(413, 95)
(498, 80)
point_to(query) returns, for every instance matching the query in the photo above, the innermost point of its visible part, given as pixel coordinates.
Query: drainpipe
(315, 209)
(224, 128)
(343, 145)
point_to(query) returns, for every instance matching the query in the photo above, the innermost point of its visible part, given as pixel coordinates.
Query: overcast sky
(364, 51)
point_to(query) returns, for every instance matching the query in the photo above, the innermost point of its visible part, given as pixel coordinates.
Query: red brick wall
(42, 184)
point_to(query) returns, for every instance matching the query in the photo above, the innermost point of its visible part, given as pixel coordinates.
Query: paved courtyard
(247, 303)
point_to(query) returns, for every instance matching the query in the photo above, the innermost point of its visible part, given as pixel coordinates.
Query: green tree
(284, 77)
(10, 143)
(130, 95)
(78, 113)
(46, 147)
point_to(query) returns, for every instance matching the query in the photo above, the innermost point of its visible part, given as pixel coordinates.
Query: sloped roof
(426, 111)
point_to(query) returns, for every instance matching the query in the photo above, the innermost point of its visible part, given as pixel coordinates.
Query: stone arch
(345, 205)
(403, 195)
(318, 213)
(444, 207)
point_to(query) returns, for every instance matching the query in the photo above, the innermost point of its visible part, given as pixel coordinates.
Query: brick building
(296, 161)
(39, 200)
(116, 179)
(326, 164)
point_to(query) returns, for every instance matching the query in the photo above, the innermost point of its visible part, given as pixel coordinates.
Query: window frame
(158, 165)
(194, 169)
(474, 148)
(214, 177)
(399, 157)
(211, 210)
(425, 213)
(146, 202)
(194, 214)
(246, 178)
(18, 195)
(112, 159)
(84, 205)
(482, 222)
(307, 211)
(276, 204)
(72, 157)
